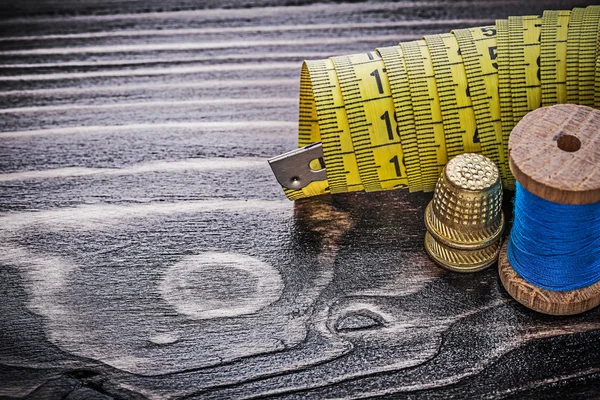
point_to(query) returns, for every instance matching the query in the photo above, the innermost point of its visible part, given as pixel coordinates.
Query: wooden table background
(146, 250)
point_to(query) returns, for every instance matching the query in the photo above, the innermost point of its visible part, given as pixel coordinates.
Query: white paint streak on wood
(46, 274)
(164, 338)
(107, 129)
(262, 56)
(190, 164)
(258, 12)
(203, 84)
(542, 383)
(254, 29)
(273, 101)
(103, 216)
(208, 45)
(153, 71)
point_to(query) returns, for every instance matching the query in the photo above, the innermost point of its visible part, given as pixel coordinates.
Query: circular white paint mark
(217, 285)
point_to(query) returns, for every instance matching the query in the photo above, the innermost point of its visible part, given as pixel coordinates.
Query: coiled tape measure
(393, 117)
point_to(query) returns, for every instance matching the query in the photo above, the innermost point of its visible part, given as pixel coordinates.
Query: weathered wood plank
(146, 250)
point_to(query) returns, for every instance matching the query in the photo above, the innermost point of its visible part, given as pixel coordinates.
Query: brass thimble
(464, 220)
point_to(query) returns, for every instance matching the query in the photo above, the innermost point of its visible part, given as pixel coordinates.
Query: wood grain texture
(147, 252)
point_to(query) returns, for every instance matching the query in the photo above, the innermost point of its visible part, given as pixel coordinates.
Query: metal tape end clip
(292, 169)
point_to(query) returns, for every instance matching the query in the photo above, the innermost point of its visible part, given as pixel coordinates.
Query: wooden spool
(554, 153)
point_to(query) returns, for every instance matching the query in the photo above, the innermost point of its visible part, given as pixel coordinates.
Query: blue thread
(555, 246)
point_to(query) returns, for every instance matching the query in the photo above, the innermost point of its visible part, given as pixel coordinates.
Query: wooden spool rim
(566, 173)
(542, 300)
(540, 163)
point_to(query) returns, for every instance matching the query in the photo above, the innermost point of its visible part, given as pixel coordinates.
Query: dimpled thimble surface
(464, 220)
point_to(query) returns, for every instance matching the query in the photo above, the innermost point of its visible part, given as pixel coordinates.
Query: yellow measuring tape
(393, 117)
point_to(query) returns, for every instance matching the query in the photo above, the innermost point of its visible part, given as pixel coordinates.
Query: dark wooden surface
(146, 250)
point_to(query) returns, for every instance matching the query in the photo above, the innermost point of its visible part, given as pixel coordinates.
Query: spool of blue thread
(551, 262)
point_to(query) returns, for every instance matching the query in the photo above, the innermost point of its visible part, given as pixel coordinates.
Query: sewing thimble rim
(458, 260)
(463, 240)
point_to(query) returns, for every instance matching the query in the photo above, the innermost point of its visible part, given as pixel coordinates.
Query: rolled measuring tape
(551, 262)
(393, 117)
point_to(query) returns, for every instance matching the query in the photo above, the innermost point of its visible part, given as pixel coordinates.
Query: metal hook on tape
(292, 169)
